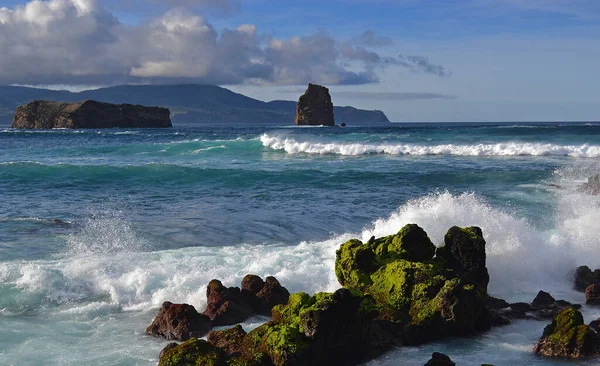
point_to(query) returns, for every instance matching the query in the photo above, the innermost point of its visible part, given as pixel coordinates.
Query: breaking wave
(293, 146)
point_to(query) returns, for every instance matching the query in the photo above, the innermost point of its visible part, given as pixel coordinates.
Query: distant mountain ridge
(189, 103)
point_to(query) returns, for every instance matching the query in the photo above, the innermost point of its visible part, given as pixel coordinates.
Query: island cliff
(41, 114)
(314, 107)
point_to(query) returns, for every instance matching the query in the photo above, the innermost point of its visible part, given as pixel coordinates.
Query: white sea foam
(108, 261)
(292, 145)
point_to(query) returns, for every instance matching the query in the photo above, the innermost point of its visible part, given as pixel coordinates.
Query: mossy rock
(327, 328)
(464, 251)
(427, 296)
(194, 352)
(568, 337)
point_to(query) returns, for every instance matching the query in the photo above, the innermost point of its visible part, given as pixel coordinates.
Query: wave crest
(292, 146)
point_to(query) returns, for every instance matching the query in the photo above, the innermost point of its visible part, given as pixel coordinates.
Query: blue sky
(417, 60)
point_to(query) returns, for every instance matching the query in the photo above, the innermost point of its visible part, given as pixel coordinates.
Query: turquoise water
(99, 227)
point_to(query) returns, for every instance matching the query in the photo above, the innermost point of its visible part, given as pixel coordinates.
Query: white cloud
(79, 42)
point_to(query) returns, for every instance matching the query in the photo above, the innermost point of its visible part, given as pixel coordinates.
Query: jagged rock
(543, 299)
(314, 107)
(252, 284)
(585, 277)
(41, 114)
(464, 249)
(592, 186)
(229, 340)
(567, 337)
(439, 359)
(226, 306)
(193, 352)
(270, 295)
(179, 322)
(430, 298)
(592, 295)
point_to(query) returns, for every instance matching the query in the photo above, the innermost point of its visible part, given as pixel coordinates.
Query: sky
(417, 60)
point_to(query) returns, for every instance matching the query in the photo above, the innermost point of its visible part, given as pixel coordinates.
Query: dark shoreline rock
(179, 322)
(439, 359)
(568, 337)
(585, 277)
(41, 114)
(314, 107)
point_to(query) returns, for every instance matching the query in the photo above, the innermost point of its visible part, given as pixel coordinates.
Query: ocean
(99, 227)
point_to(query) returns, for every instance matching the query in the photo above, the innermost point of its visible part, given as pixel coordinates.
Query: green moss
(354, 261)
(283, 343)
(194, 352)
(568, 327)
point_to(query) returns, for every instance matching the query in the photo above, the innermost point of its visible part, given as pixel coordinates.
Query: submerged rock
(42, 114)
(567, 337)
(179, 322)
(592, 186)
(193, 352)
(585, 277)
(439, 359)
(428, 298)
(314, 107)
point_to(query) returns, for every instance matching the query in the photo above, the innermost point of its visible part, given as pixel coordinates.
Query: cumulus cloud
(78, 42)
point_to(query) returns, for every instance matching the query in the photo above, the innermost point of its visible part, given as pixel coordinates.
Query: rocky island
(42, 114)
(314, 107)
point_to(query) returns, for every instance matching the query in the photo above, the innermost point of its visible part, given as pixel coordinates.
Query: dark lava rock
(567, 337)
(496, 303)
(595, 326)
(179, 322)
(314, 107)
(592, 186)
(592, 295)
(226, 306)
(229, 340)
(270, 295)
(41, 114)
(193, 352)
(464, 250)
(521, 306)
(585, 277)
(264, 295)
(439, 359)
(543, 299)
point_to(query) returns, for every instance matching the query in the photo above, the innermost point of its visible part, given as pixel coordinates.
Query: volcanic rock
(592, 295)
(314, 107)
(585, 277)
(464, 249)
(226, 306)
(568, 337)
(439, 359)
(428, 297)
(270, 295)
(179, 322)
(41, 114)
(543, 299)
(229, 340)
(193, 352)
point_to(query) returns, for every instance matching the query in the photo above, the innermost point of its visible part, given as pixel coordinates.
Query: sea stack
(43, 114)
(314, 107)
